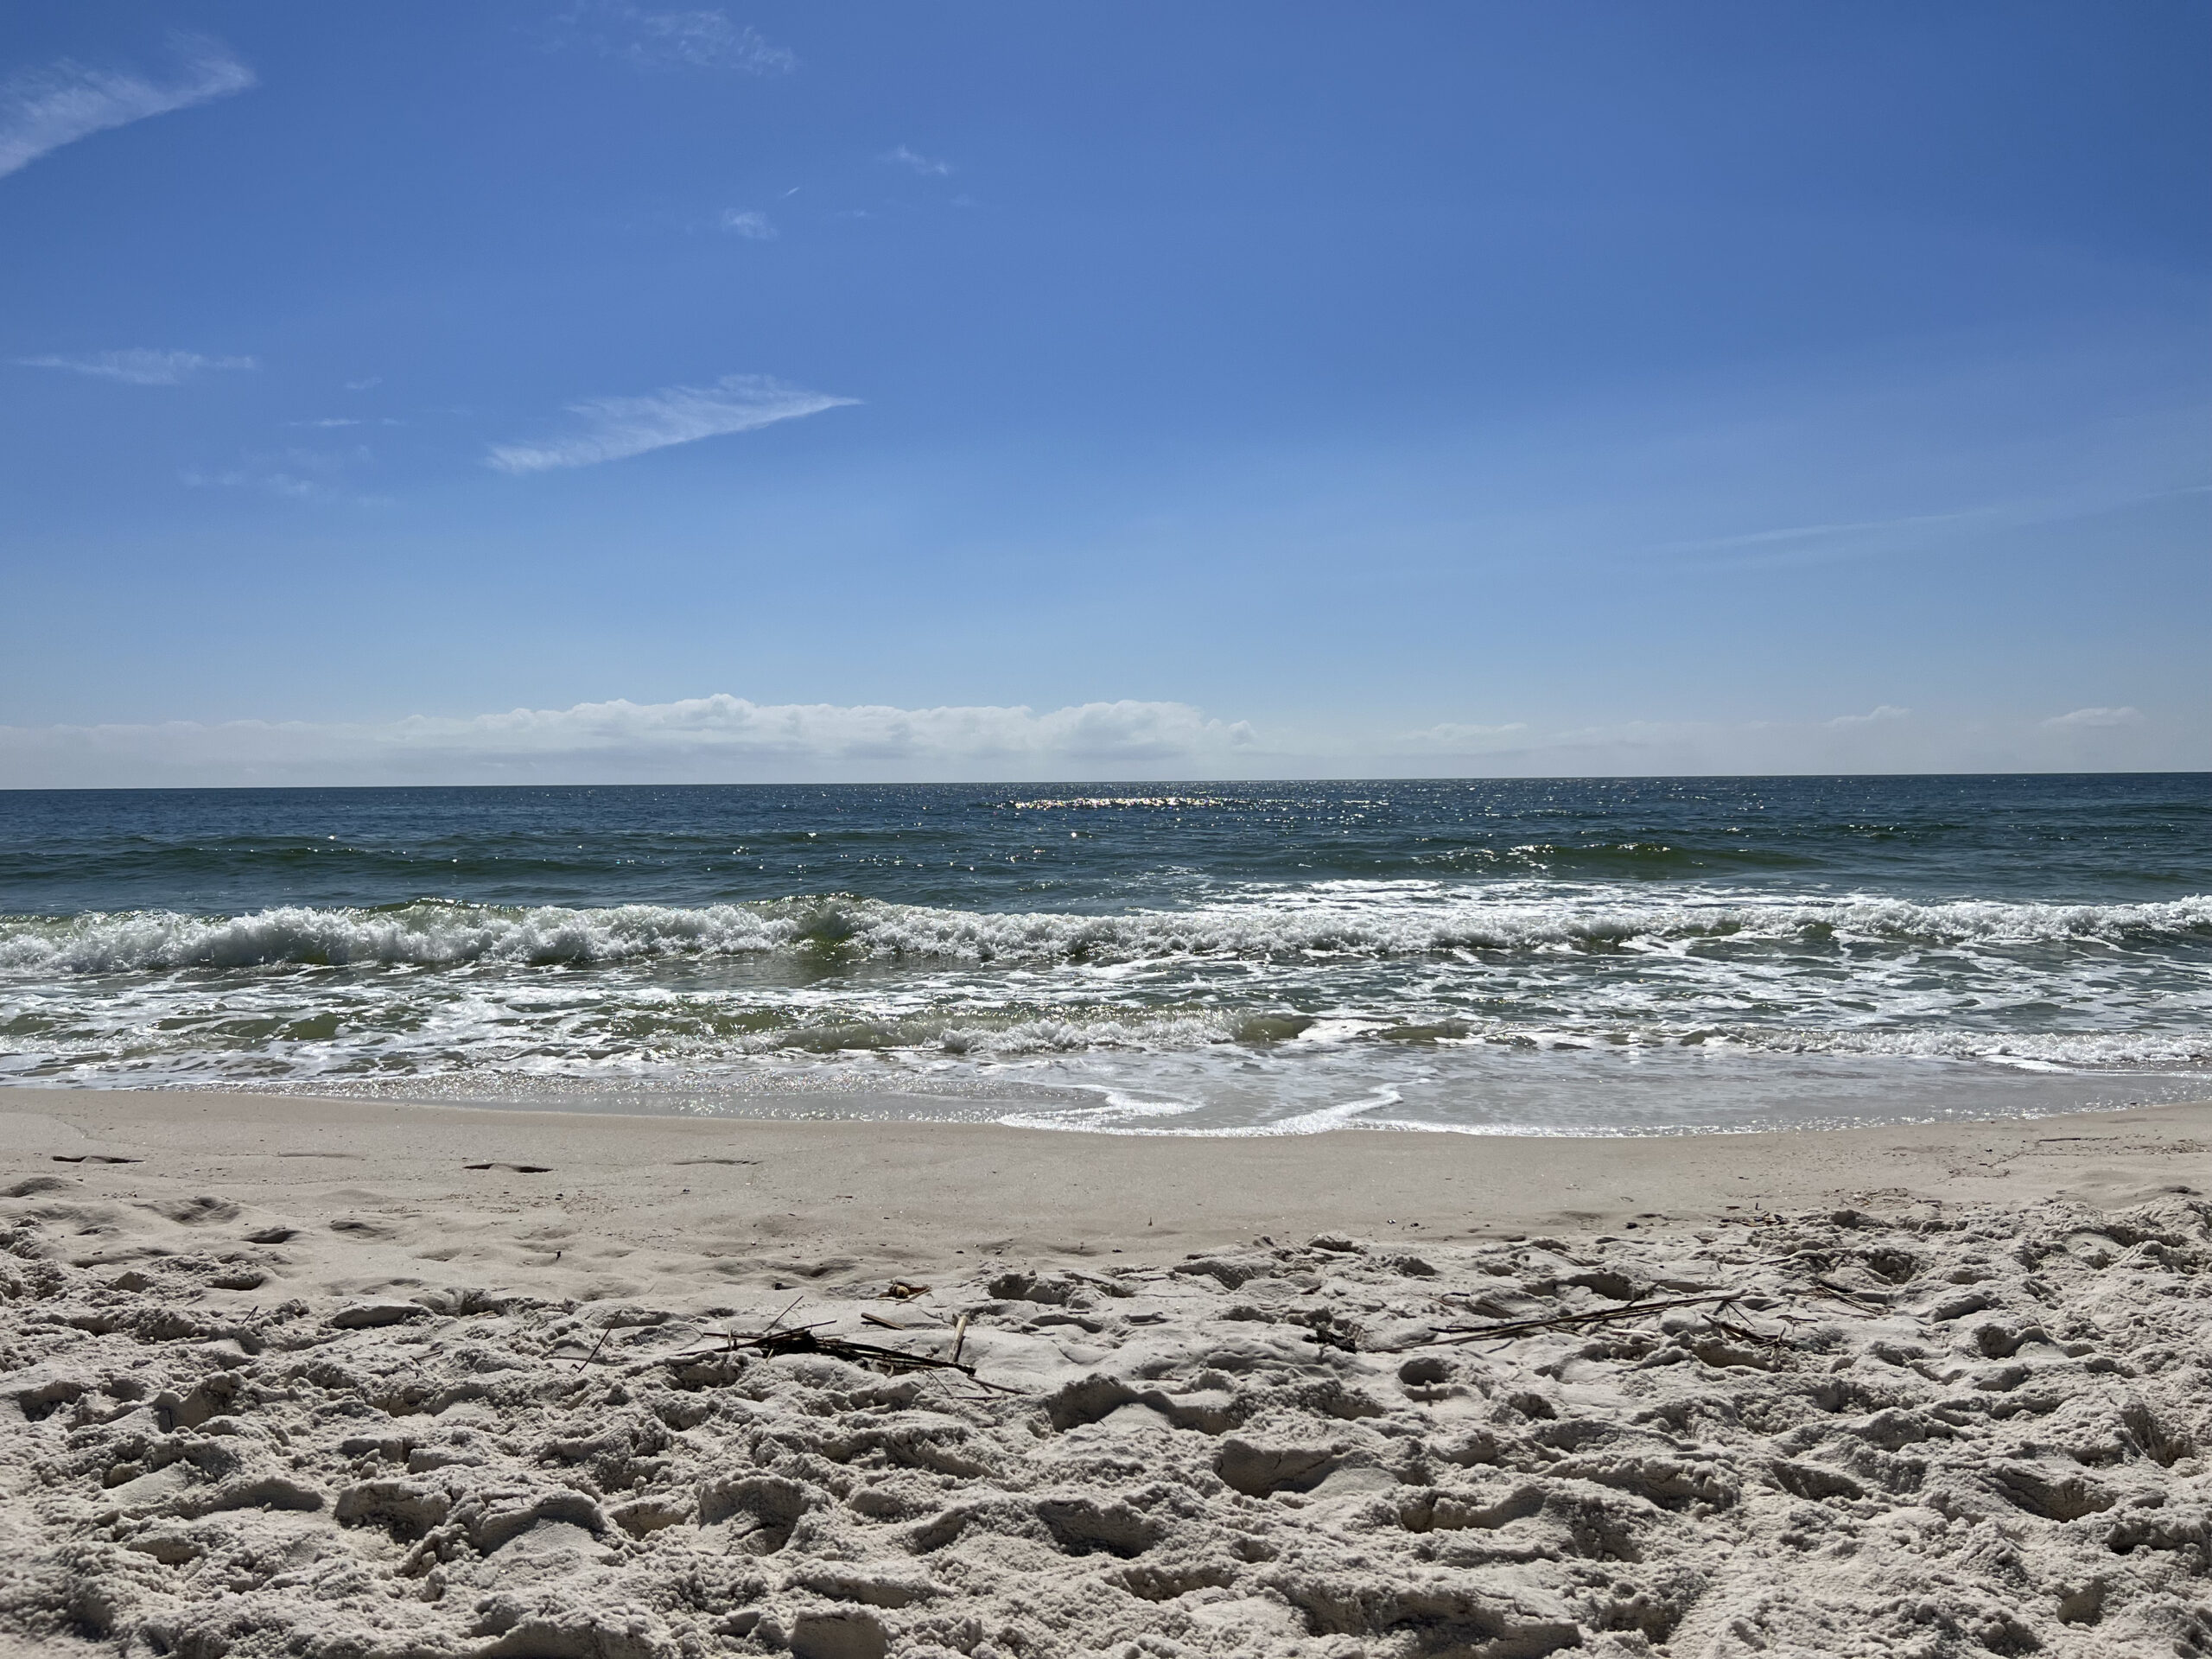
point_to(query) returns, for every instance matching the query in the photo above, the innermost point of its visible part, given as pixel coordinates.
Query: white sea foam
(1116, 1115)
(1377, 919)
(1123, 1115)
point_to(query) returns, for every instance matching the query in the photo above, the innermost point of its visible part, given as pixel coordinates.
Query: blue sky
(609, 390)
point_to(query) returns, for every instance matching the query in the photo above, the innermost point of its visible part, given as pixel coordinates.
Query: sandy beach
(297, 1376)
(1011, 831)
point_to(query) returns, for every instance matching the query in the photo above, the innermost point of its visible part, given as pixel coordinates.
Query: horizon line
(1132, 783)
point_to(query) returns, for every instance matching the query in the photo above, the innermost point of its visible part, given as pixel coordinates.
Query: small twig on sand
(1454, 1334)
(1864, 1306)
(801, 1339)
(1741, 1332)
(960, 1339)
(595, 1347)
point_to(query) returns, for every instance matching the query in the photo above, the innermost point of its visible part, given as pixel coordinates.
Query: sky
(607, 391)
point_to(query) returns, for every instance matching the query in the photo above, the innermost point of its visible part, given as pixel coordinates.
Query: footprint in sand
(355, 1225)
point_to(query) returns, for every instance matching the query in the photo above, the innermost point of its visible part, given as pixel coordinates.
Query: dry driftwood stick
(728, 1342)
(881, 1323)
(1741, 1332)
(960, 1340)
(1599, 1316)
(1865, 1306)
(774, 1344)
(595, 1347)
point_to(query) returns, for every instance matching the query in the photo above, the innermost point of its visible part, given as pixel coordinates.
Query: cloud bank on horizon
(724, 738)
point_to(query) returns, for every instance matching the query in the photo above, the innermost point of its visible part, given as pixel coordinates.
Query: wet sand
(672, 1205)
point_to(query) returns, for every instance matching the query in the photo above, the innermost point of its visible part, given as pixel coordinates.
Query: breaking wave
(1353, 920)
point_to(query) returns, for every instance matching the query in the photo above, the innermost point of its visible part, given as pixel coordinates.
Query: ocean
(1522, 956)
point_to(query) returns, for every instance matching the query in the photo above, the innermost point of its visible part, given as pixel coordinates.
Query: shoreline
(643, 1195)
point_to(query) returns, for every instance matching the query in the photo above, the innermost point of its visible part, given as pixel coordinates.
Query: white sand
(296, 1382)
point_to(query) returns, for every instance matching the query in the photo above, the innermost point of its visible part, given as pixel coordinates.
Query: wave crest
(1411, 919)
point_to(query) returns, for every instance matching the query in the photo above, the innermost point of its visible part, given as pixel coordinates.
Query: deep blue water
(1561, 955)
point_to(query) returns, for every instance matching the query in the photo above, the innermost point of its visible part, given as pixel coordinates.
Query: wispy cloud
(1822, 544)
(755, 227)
(290, 474)
(1887, 711)
(1796, 533)
(1798, 545)
(925, 165)
(698, 39)
(710, 738)
(2091, 720)
(43, 109)
(363, 385)
(140, 366)
(614, 428)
